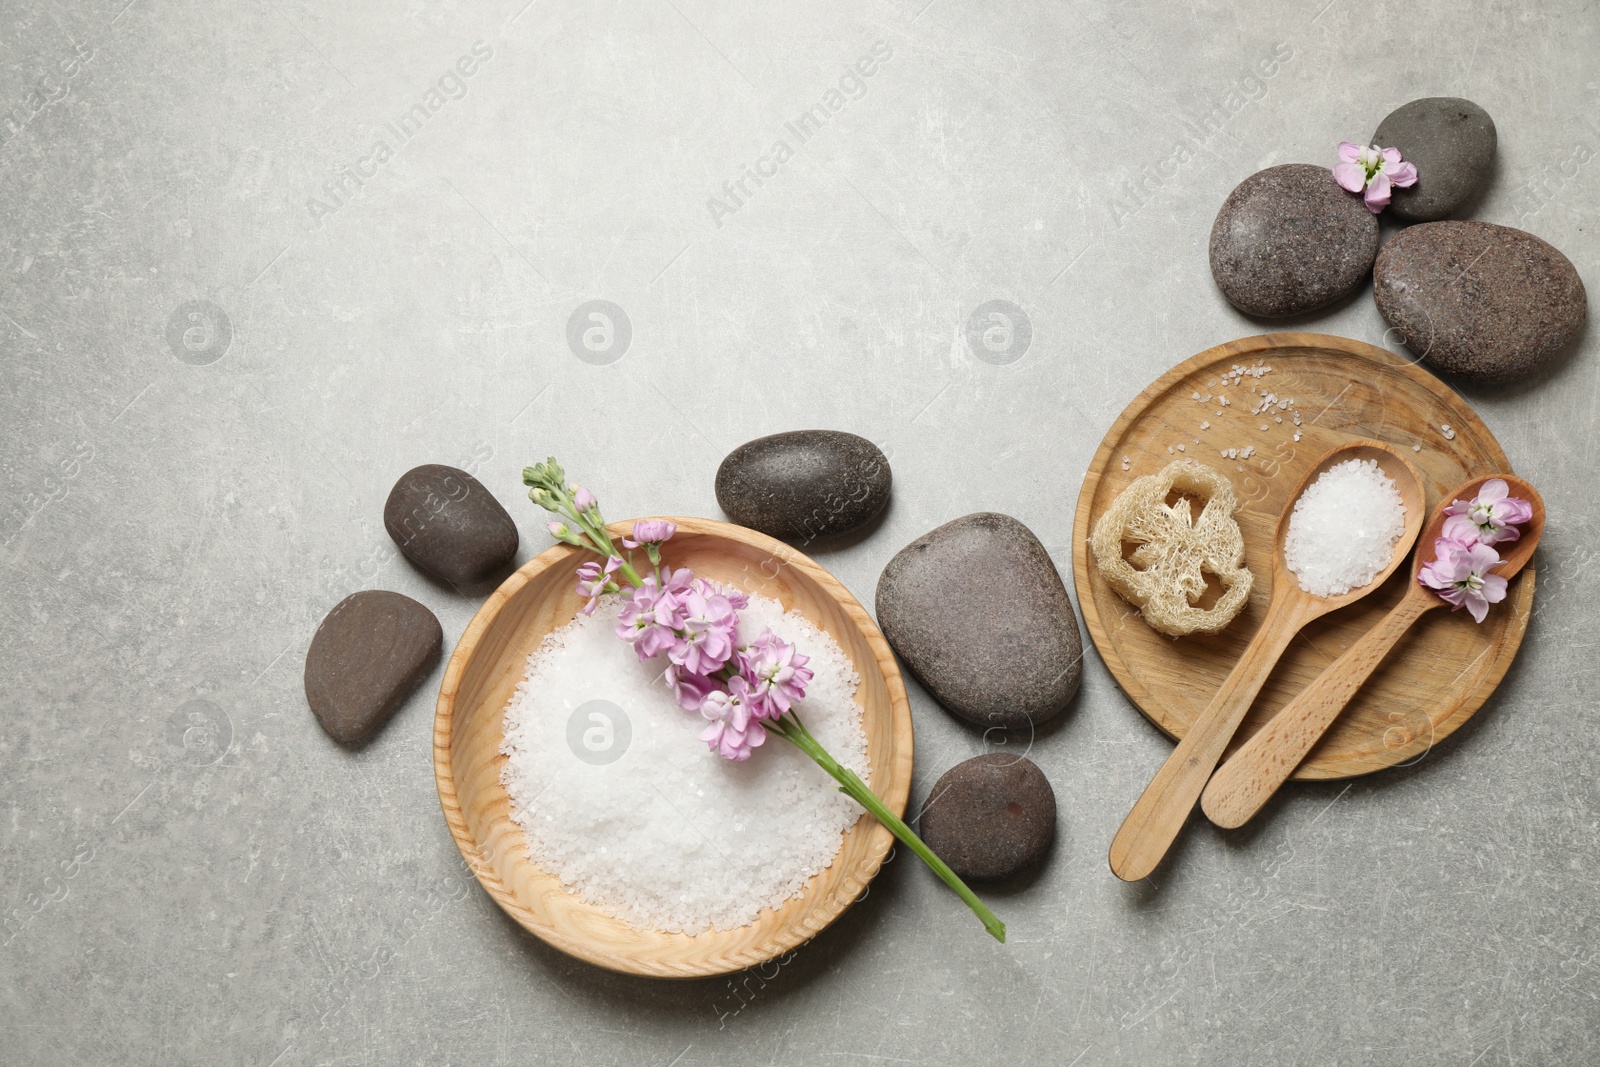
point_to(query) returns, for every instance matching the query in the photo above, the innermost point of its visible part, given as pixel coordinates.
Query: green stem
(792, 730)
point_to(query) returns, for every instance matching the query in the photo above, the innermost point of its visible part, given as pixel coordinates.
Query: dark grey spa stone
(1451, 142)
(1488, 303)
(369, 653)
(449, 524)
(804, 483)
(992, 816)
(978, 613)
(1289, 240)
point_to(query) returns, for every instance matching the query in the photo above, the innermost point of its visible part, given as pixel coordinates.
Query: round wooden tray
(1440, 673)
(490, 660)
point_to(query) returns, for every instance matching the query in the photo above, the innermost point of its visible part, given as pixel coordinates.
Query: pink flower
(1374, 170)
(734, 730)
(595, 583)
(777, 674)
(706, 634)
(650, 619)
(691, 689)
(583, 500)
(1490, 517)
(650, 532)
(1459, 574)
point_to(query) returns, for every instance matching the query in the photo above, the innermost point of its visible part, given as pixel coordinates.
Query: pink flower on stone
(1372, 171)
(650, 532)
(734, 730)
(650, 619)
(776, 673)
(592, 581)
(1490, 518)
(1459, 574)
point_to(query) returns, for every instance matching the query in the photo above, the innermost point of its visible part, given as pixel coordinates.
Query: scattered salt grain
(1416, 448)
(664, 837)
(1205, 425)
(1344, 527)
(1449, 434)
(1180, 448)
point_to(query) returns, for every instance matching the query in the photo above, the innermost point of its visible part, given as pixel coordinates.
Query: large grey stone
(1486, 302)
(1288, 240)
(978, 613)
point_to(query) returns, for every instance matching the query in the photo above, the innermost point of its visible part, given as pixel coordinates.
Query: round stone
(1288, 240)
(1488, 303)
(992, 816)
(368, 654)
(978, 613)
(804, 483)
(447, 523)
(1451, 142)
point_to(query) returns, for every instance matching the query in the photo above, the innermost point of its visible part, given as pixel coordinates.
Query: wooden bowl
(1447, 666)
(468, 727)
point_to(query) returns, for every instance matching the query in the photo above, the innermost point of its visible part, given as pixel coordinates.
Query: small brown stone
(369, 653)
(1289, 240)
(449, 524)
(991, 816)
(1488, 303)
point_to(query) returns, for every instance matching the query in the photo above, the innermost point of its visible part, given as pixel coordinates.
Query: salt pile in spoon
(667, 835)
(1344, 527)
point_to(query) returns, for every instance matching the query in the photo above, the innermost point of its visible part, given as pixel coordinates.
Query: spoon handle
(1262, 764)
(1166, 802)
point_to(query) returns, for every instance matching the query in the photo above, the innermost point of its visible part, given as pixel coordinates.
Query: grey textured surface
(194, 873)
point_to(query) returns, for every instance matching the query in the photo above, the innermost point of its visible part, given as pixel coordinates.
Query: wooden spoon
(1264, 763)
(1166, 802)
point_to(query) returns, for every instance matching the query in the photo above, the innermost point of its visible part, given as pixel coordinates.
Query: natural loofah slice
(1165, 577)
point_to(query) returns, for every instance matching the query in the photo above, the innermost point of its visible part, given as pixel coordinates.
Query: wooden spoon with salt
(1166, 802)
(1262, 764)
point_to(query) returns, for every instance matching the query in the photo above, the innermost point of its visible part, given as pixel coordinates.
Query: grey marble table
(261, 257)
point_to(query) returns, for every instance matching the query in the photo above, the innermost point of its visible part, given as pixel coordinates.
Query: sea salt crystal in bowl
(491, 658)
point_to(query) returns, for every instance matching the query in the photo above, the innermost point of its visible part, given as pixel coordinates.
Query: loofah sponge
(1165, 577)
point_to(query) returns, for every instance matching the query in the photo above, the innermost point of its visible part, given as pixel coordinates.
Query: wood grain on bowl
(490, 660)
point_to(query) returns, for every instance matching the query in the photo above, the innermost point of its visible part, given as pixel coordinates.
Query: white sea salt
(1343, 528)
(669, 836)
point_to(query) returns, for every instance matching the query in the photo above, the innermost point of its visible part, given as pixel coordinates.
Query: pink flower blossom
(734, 730)
(1372, 171)
(691, 689)
(593, 582)
(707, 631)
(777, 674)
(1490, 518)
(583, 500)
(650, 532)
(650, 619)
(1459, 574)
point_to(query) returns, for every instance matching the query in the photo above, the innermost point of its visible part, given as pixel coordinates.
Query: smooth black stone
(1289, 240)
(370, 652)
(804, 483)
(1488, 303)
(978, 613)
(1452, 144)
(447, 523)
(992, 816)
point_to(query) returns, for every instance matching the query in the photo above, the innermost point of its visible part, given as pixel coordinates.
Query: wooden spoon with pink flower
(1477, 539)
